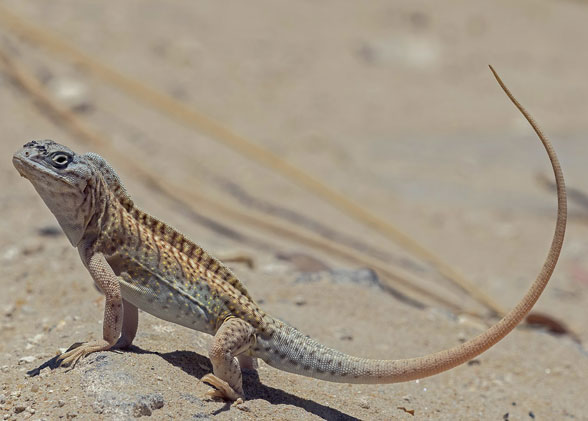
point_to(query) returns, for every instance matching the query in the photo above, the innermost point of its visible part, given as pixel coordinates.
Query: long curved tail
(288, 349)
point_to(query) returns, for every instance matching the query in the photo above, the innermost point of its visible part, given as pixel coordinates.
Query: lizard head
(64, 180)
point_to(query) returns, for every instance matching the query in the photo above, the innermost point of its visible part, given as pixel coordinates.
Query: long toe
(222, 389)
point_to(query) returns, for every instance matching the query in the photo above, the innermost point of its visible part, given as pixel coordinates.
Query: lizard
(138, 261)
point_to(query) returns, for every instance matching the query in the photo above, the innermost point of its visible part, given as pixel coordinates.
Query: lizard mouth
(21, 165)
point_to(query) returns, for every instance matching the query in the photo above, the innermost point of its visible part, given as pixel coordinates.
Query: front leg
(107, 281)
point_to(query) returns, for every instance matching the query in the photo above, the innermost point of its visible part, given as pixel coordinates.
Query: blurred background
(304, 135)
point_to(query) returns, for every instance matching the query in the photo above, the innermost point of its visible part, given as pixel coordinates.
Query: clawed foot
(80, 350)
(222, 390)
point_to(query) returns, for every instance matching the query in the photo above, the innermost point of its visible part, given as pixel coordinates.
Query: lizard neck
(103, 231)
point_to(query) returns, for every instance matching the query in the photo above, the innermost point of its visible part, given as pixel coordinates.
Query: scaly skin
(138, 261)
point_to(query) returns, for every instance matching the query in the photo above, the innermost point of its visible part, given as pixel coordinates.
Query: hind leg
(234, 337)
(129, 325)
(247, 362)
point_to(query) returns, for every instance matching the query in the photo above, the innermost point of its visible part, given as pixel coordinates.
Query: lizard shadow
(197, 366)
(51, 363)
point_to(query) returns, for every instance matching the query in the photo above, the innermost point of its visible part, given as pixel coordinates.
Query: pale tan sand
(388, 102)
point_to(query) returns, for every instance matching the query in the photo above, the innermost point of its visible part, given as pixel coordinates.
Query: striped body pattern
(162, 271)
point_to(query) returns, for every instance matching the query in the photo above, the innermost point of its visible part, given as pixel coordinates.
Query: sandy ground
(390, 103)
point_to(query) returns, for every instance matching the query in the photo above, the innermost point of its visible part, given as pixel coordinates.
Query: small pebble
(299, 300)
(71, 92)
(27, 359)
(37, 338)
(364, 403)
(35, 388)
(18, 409)
(141, 410)
(60, 403)
(243, 407)
(9, 310)
(11, 253)
(343, 334)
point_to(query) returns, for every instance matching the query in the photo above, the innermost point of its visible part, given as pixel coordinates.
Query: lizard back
(163, 272)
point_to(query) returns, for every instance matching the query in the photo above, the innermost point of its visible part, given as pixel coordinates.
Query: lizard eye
(60, 159)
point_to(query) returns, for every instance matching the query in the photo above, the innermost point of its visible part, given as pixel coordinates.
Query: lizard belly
(167, 303)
